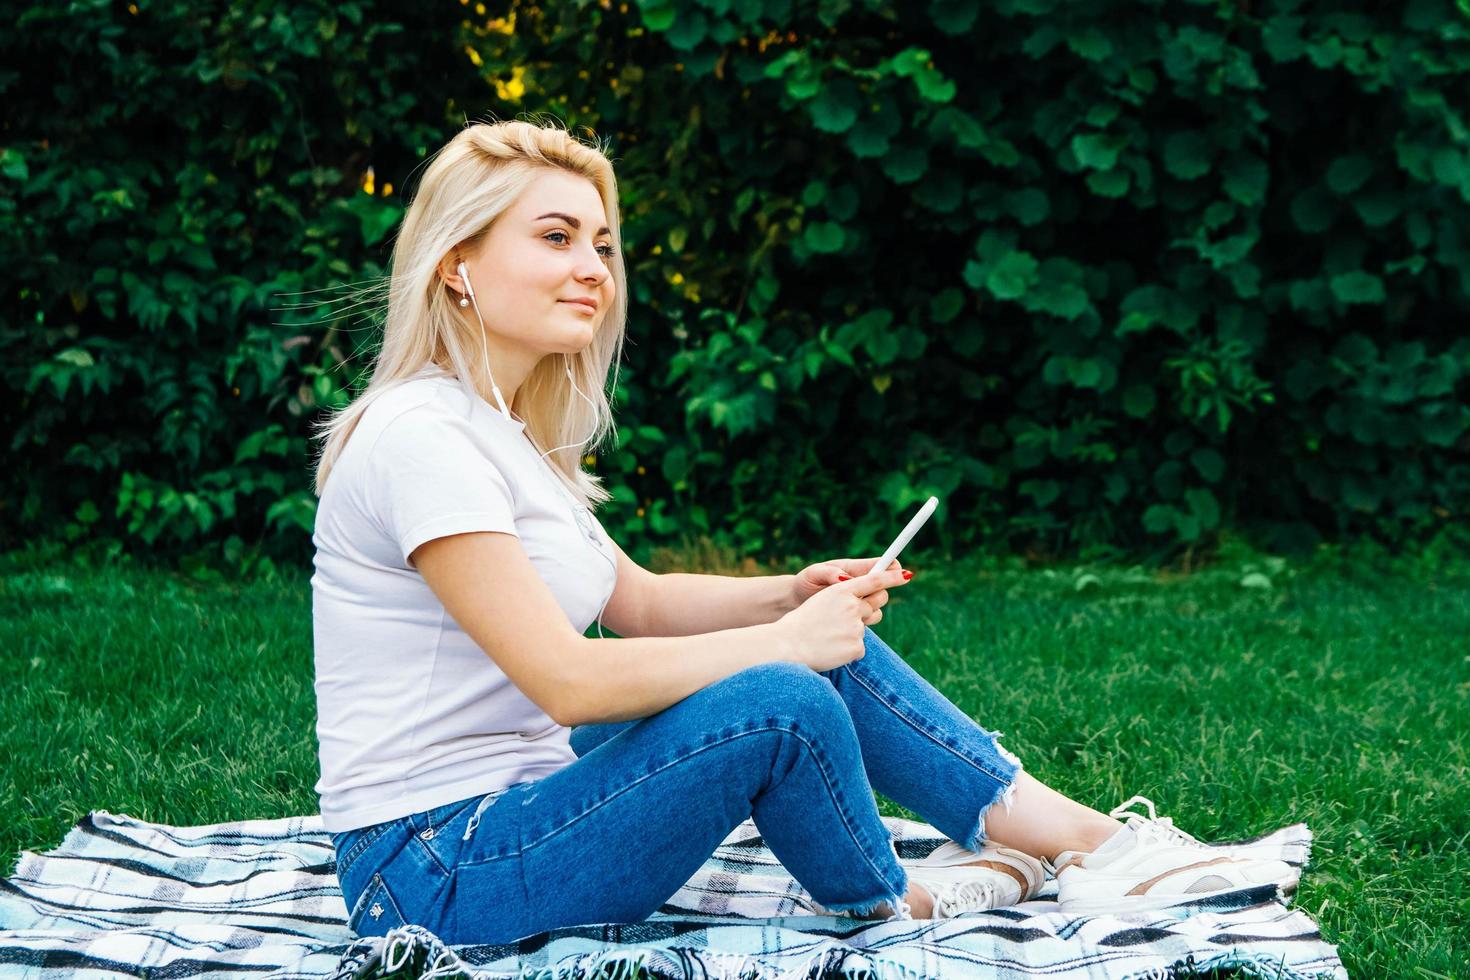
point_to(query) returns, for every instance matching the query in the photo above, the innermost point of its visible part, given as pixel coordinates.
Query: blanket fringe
(413, 951)
(1235, 965)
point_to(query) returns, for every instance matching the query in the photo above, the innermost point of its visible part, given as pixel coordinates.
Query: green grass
(1332, 691)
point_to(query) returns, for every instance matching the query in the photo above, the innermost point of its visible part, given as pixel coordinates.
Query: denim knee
(784, 691)
(770, 690)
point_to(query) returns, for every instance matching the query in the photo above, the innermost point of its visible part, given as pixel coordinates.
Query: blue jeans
(610, 837)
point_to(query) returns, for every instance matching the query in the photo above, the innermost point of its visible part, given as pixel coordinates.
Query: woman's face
(549, 249)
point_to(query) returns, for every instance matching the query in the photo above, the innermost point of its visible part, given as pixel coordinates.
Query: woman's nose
(591, 268)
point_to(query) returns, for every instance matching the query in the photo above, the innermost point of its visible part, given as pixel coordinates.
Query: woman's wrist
(786, 598)
(776, 643)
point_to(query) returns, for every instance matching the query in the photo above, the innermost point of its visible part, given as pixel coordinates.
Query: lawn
(1248, 693)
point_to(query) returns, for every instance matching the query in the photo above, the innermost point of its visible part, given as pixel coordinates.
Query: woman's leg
(612, 836)
(922, 752)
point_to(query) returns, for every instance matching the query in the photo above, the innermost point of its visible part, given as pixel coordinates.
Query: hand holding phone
(826, 631)
(905, 535)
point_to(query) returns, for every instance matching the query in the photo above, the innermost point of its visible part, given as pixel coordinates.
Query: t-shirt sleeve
(429, 478)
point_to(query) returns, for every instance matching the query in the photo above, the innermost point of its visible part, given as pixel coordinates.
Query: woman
(459, 563)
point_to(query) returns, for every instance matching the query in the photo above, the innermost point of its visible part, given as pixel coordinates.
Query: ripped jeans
(610, 837)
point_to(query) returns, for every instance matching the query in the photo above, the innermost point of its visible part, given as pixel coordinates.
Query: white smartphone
(906, 535)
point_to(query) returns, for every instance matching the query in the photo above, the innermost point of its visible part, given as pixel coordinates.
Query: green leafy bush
(1096, 274)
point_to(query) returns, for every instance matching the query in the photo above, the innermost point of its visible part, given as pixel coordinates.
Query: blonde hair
(469, 184)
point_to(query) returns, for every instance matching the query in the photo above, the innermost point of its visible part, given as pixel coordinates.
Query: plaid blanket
(260, 898)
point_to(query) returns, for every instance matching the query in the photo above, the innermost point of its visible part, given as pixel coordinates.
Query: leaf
(76, 357)
(1067, 300)
(835, 108)
(13, 165)
(1029, 205)
(954, 17)
(1169, 479)
(376, 218)
(906, 164)
(1209, 463)
(1358, 287)
(1255, 580)
(946, 305)
(1098, 150)
(688, 30)
(1010, 277)
(1159, 519)
(804, 83)
(1091, 44)
(778, 67)
(1348, 173)
(1282, 37)
(1187, 155)
(1152, 305)
(1109, 183)
(1084, 372)
(1377, 210)
(1204, 507)
(1442, 424)
(1356, 349)
(935, 87)
(909, 61)
(943, 193)
(657, 17)
(824, 237)
(1044, 492)
(1448, 165)
(1139, 400)
(867, 142)
(1246, 178)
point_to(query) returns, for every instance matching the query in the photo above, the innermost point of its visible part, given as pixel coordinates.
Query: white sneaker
(1149, 864)
(949, 874)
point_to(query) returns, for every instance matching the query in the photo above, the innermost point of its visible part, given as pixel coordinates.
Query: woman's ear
(449, 272)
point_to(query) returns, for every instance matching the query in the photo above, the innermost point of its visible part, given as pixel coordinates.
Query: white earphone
(500, 399)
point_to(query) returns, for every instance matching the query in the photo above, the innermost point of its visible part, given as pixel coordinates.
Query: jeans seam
(346, 862)
(1002, 780)
(821, 767)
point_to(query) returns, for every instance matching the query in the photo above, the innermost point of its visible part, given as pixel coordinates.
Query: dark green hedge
(1096, 274)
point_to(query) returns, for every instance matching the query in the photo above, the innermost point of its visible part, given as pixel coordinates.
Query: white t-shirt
(411, 713)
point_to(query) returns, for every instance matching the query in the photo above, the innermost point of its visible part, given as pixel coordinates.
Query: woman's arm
(514, 617)
(681, 604)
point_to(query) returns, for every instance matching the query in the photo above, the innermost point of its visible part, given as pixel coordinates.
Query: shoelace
(1155, 827)
(962, 896)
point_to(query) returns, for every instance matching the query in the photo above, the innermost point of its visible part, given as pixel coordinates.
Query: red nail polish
(843, 578)
(907, 575)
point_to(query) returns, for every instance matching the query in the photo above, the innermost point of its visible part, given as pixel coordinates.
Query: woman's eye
(606, 251)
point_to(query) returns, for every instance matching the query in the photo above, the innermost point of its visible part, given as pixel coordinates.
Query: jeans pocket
(376, 912)
(353, 844)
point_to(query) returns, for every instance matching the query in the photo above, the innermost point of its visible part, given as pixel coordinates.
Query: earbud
(469, 290)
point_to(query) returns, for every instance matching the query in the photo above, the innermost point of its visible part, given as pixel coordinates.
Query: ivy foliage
(1106, 274)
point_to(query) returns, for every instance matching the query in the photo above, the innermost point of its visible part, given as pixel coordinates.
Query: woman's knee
(783, 690)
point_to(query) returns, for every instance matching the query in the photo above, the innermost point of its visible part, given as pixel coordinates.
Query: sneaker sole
(1124, 904)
